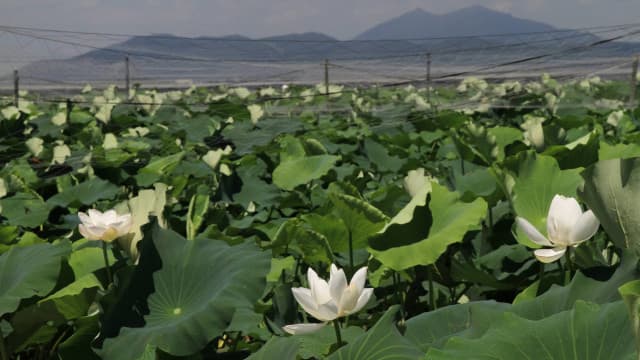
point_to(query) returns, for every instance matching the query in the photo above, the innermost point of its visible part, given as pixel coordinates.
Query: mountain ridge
(468, 21)
(406, 41)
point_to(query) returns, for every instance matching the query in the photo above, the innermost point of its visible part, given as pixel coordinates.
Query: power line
(276, 39)
(461, 73)
(300, 57)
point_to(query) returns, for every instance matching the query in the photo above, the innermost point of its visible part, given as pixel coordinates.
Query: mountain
(474, 20)
(458, 40)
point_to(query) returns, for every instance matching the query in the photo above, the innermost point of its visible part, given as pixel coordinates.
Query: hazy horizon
(340, 19)
(255, 18)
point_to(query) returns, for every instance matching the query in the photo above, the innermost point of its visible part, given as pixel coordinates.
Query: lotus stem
(236, 340)
(351, 252)
(3, 349)
(490, 219)
(396, 285)
(336, 327)
(432, 295)
(570, 268)
(106, 264)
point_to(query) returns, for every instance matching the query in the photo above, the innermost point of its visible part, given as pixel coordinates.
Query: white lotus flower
(329, 301)
(415, 181)
(567, 226)
(106, 226)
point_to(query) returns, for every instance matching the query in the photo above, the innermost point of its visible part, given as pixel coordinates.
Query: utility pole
(428, 78)
(634, 82)
(326, 77)
(69, 108)
(127, 76)
(16, 88)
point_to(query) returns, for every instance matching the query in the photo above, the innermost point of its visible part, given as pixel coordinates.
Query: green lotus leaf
(579, 153)
(612, 191)
(382, 341)
(38, 323)
(24, 209)
(618, 151)
(201, 284)
(589, 331)
(582, 287)
(538, 180)
(435, 328)
(85, 193)
(277, 348)
(29, 271)
(472, 320)
(87, 257)
(250, 170)
(78, 345)
(421, 232)
(157, 168)
(361, 218)
(379, 156)
(631, 294)
(292, 173)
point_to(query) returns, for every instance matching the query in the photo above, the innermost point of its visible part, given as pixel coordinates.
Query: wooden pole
(428, 78)
(326, 77)
(69, 108)
(16, 88)
(634, 83)
(127, 76)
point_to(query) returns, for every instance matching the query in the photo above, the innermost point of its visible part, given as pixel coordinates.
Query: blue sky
(340, 18)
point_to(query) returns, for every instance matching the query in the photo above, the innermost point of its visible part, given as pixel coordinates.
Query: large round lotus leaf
(631, 294)
(292, 173)
(423, 230)
(539, 180)
(86, 193)
(589, 331)
(29, 271)
(582, 287)
(361, 218)
(472, 320)
(434, 328)
(277, 348)
(201, 284)
(383, 341)
(24, 209)
(612, 191)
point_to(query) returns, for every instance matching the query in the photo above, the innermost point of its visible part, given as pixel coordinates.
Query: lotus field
(472, 221)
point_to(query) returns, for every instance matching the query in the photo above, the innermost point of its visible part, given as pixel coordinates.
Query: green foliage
(299, 171)
(382, 341)
(29, 271)
(199, 287)
(421, 232)
(588, 331)
(537, 181)
(231, 204)
(612, 191)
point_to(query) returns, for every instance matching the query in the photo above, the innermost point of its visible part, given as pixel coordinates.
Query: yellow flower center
(110, 235)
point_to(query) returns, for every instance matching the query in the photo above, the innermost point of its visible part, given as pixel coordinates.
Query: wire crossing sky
(343, 19)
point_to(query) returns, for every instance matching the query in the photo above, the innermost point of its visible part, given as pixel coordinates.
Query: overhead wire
(275, 39)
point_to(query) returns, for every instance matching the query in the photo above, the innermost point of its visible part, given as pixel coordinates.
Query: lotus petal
(532, 232)
(563, 214)
(549, 255)
(301, 329)
(586, 226)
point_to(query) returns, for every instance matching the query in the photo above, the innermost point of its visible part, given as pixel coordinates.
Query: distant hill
(474, 20)
(455, 41)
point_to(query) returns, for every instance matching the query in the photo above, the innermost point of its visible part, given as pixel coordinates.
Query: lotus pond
(473, 221)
